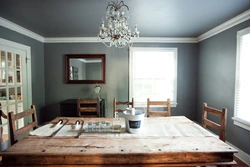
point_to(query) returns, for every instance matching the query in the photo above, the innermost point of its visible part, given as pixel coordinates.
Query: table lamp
(97, 90)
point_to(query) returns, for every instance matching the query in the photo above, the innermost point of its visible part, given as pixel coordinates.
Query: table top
(164, 140)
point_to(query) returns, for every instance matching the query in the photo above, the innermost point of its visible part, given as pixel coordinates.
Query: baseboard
(244, 157)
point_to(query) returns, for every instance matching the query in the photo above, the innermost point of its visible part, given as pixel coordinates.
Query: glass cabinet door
(11, 92)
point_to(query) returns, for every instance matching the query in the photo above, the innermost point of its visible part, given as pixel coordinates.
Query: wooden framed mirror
(85, 68)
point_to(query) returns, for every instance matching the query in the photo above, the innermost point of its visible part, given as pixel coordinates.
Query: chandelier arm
(110, 5)
(115, 5)
(109, 46)
(121, 4)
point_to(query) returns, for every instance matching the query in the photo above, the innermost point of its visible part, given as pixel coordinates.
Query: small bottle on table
(116, 123)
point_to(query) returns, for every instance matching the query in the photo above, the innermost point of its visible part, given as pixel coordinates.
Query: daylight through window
(153, 74)
(242, 87)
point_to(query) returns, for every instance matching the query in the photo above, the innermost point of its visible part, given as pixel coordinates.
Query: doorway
(15, 85)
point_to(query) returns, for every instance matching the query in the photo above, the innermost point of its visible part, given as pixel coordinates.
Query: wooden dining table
(162, 141)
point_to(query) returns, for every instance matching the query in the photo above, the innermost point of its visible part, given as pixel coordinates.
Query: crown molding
(226, 25)
(71, 40)
(139, 40)
(165, 40)
(12, 26)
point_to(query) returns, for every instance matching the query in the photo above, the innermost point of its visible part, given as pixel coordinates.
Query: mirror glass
(85, 68)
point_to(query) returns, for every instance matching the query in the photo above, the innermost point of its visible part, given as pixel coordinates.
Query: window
(242, 83)
(153, 74)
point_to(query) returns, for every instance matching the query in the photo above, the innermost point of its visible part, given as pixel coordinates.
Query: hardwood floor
(240, 163)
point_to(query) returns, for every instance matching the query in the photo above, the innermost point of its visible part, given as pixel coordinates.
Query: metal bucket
(134, 123)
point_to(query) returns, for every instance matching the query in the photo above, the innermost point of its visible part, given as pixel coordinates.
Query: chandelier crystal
(117, 32)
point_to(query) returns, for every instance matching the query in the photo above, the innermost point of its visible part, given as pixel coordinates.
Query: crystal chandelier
(117, 32)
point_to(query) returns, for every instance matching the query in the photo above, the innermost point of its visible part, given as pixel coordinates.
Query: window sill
(241, 123)
(173, 104)
(144, 105)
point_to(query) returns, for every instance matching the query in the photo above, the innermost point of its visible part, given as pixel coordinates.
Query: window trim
(237, 120)
(174, 49)
(241, 123)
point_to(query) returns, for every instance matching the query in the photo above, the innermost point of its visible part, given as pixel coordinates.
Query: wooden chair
(88, 107)
(125, 105)
(223, 119)
(16, 132)
(158, 104)
(2, 114)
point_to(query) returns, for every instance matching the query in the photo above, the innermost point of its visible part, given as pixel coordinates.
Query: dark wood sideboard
(69, 108)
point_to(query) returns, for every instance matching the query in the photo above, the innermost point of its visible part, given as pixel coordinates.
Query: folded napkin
(69, 130)
(46, 130)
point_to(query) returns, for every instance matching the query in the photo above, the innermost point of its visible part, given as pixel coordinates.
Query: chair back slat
(157, 104)
(213, 111)
(211, 124)
(88, 109)
(26, 128)
(221, 127)
(24, 114)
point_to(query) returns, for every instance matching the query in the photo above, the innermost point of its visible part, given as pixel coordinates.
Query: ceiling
(154, 18)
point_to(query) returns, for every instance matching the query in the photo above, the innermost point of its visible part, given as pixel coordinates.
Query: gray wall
(117, 74)
(216, 80)
(37, 66)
